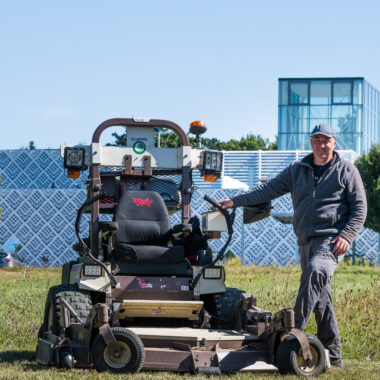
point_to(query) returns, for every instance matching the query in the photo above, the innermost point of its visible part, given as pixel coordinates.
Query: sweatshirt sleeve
(357, 202)
(274, 188)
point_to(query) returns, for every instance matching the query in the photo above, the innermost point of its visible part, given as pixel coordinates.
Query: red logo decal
(143, 284)
(143, 202)
(158, 311)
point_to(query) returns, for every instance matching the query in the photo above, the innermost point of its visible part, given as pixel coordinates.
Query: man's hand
(226, 203)
(341, 246)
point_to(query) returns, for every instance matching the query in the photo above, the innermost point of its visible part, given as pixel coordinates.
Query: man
(329, 211)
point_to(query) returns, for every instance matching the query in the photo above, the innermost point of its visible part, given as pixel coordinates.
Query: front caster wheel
(130, 359)
(289, 357)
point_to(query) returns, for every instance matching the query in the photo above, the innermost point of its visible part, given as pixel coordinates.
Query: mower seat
(141, 245)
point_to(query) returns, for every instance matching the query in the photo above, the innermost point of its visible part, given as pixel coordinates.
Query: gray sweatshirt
(335, 206)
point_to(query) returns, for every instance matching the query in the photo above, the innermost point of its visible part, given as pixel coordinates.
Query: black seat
(143, 234)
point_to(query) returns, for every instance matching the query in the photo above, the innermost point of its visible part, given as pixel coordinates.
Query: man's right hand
(226, 203)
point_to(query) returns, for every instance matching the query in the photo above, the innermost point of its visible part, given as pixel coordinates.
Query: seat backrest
(142, 218)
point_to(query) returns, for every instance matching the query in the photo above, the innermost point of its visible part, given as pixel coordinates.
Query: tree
(171, 140)
(274, 145)
(369, 168)
(31, 146)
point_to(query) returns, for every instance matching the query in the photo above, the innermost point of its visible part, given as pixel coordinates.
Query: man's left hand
(341, 246)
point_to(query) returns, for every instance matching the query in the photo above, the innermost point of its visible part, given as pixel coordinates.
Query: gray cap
(323, 129)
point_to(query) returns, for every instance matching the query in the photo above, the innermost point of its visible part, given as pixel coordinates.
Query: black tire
(289, 358)
(79, 300)
(132, 353)
(41, 331)
(223, 308)
(66, 269)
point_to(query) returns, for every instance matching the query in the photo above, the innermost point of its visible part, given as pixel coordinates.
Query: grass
(355, 293)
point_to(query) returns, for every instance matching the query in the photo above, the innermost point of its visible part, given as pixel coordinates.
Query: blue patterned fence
(39, 207)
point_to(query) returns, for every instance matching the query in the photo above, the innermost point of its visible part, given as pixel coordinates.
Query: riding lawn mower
(144, 295)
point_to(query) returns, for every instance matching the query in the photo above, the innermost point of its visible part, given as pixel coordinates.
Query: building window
(342, 92)
(320, 92)
(299, 93)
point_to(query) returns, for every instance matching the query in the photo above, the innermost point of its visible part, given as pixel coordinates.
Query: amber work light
(74, 161)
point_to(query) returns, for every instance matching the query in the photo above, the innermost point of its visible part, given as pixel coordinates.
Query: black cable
(86, 249)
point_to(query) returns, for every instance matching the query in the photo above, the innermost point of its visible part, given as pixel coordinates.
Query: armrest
(252, 214)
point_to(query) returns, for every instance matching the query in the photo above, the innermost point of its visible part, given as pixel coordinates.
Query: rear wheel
(289, 357)
(132, 354)
(223, 309)
(66, 269)
(79, 300)
(41, 331)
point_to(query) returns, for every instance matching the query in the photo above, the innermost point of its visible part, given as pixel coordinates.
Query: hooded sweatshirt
(335, 205)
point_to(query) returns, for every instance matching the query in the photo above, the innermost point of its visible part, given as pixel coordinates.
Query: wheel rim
(118, 361)
(307, 366)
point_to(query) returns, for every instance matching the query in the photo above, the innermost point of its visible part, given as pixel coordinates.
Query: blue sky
(66, 66)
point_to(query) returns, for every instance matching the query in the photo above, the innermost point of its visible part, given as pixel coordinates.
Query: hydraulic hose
(86, 249)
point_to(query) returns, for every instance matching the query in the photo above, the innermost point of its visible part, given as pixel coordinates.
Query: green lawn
(355, 293)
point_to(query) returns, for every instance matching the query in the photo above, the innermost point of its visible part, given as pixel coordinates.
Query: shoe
(336, 362)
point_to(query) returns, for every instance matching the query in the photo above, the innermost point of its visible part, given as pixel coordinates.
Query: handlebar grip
(225, 213)
(214, 203)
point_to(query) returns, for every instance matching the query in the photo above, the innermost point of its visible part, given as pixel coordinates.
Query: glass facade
(350, 105)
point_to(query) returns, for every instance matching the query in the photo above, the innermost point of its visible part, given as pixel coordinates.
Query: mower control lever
(214, 203)
(229, 217)
(229, 220)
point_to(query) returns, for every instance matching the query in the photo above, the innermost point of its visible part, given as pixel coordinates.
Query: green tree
(369, 168)
(169, 139)
(273, 145)
(31, 146)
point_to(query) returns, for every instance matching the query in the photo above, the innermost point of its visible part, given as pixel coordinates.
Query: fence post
(353, 252)
(243, 244)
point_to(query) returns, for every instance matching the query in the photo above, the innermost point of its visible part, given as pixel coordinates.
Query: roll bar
(140, 123)
(95, 170)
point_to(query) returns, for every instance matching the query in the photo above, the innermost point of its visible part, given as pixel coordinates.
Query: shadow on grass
(27, 359)
(17, 356)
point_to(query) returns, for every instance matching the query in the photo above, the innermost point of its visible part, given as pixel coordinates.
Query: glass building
(350, 105)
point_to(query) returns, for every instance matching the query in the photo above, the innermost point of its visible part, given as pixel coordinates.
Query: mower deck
(187, 349)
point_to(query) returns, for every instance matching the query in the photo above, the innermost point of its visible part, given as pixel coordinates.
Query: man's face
(323, 147)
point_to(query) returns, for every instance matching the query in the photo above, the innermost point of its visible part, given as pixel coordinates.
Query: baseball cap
(323, 129)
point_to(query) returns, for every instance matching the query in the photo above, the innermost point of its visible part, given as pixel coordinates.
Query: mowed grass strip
(355, 293)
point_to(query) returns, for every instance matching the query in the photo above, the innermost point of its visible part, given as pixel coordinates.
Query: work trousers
(318, 264)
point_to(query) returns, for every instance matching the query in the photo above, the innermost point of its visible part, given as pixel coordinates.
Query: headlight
(92, 270)
(208, 161)
(212, 162)
(212, 273)
(74, 158)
